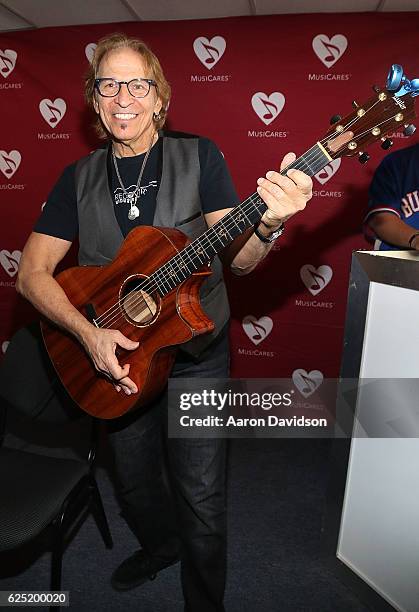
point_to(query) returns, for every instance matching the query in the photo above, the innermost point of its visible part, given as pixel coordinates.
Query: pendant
(133, 212)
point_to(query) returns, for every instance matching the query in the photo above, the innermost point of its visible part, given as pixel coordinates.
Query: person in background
(172, 490)
(393, 207)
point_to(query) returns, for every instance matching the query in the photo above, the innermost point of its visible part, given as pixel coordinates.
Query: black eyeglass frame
(127, 83)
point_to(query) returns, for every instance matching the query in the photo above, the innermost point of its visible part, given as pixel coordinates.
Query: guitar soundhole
(139, 305)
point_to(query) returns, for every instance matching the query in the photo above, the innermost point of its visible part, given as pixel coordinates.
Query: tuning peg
(386, 143)
(335, 119)
(409, 129)
(363, 158)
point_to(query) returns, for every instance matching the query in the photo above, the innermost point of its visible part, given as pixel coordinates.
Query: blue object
(398, 82)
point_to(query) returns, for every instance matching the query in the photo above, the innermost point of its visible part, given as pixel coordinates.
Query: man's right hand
(101, 345)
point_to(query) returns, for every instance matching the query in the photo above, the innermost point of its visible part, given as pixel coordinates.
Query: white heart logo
(328, 171)
(257, 329)
(5, 346)
(307, 382)
(329, 50)
(267, 107)
(7, 61)
(10, 261)
(209, 52)
(52, 112)
(9, 162)
(316, 279)
(90, 51)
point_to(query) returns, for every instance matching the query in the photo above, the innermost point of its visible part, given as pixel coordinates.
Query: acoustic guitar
(150, 292)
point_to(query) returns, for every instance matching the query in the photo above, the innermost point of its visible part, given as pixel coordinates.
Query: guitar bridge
(91, 314)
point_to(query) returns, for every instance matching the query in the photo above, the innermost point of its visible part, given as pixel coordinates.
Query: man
(177, 508)
(393, 206)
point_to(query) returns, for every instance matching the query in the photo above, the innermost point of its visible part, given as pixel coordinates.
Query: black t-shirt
(59, 216)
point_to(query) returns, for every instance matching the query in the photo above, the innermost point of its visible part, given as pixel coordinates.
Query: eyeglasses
(110, 88)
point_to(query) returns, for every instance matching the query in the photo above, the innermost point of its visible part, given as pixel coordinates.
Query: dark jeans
(173, 491)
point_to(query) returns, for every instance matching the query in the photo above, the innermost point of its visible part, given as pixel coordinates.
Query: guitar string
(162, 278)
(227, 224)
(113, 313)
(159, 275)
(247, 206)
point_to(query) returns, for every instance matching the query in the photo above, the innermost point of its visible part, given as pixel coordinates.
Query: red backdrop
(288, 316)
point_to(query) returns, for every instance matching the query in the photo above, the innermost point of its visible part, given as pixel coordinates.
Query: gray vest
(178, 205)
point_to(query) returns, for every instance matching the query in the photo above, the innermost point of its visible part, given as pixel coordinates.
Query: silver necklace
(134, 211)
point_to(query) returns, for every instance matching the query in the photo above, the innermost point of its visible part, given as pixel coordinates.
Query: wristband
(268, 239)
(411, 239)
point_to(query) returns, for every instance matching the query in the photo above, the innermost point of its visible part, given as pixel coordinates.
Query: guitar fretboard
(203, 249)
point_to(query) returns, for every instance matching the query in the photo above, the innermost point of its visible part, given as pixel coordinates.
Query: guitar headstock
(388, 110)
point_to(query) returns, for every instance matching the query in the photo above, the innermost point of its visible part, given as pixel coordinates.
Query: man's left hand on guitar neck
(284, 196)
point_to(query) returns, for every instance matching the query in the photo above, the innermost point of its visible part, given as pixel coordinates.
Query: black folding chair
(40, 492)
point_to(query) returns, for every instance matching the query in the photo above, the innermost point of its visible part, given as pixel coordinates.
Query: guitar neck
(203, 249)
